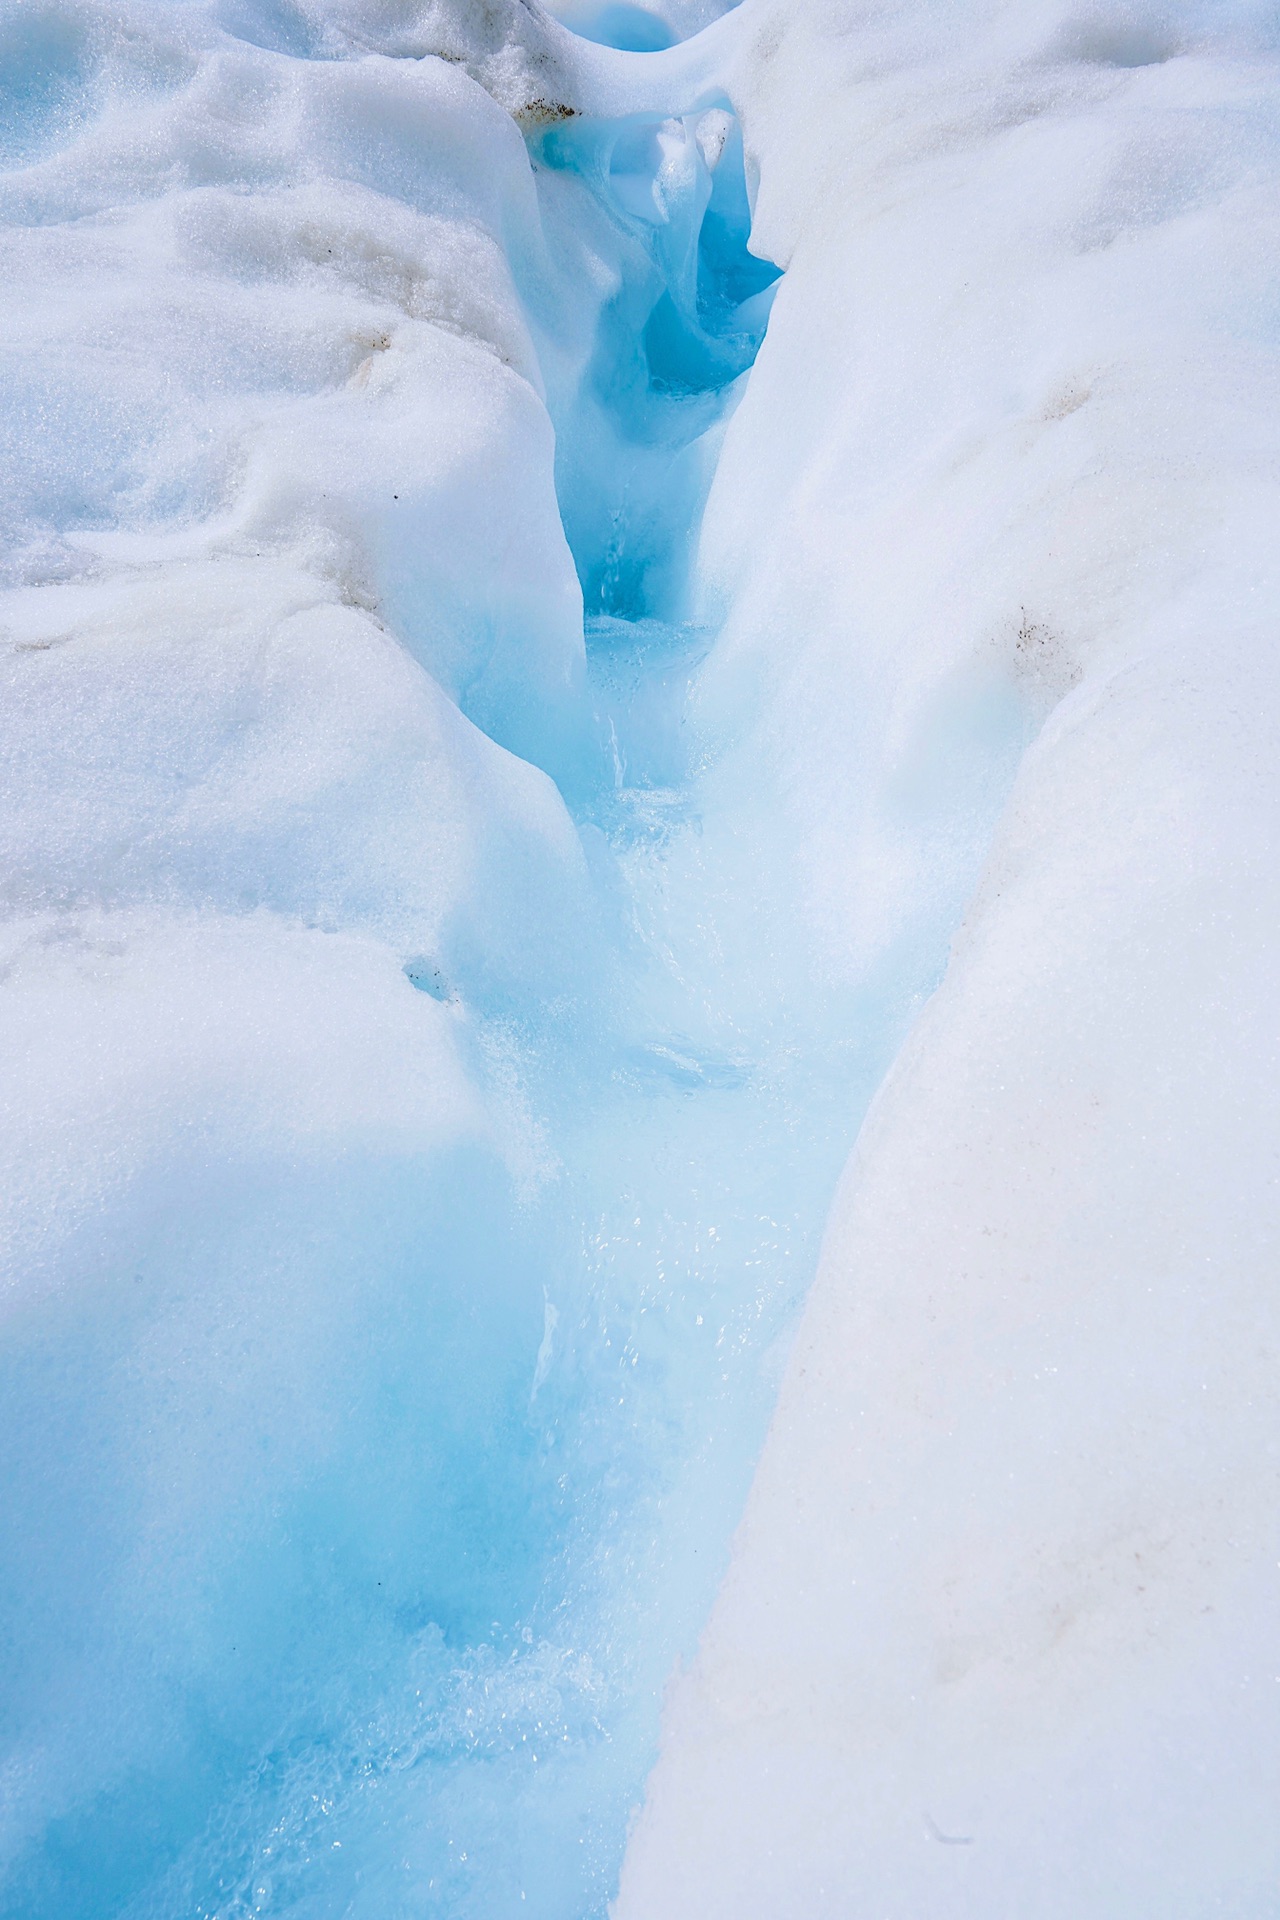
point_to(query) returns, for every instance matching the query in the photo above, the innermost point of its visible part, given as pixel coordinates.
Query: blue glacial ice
(508, 696)
(420, 1165)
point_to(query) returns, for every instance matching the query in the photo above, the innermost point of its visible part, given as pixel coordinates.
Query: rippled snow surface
(423, 1108)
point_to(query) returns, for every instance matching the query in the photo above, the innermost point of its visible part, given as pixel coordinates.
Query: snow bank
(999, 1631)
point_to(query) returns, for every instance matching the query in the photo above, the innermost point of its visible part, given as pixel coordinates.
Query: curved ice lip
(609, 82)
(617, 23)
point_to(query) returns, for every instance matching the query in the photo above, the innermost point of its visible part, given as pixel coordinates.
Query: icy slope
(1000, 1633)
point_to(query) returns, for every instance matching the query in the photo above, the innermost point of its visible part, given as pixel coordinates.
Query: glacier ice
(500, 768)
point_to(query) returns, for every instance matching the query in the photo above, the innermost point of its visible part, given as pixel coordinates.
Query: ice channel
(429, 1672)
(691, 1139)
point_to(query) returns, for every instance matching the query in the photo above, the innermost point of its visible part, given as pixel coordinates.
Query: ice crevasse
(513, 776)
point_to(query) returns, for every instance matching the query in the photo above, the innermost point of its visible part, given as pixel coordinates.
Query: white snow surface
(1001, 1632)
(495, 786)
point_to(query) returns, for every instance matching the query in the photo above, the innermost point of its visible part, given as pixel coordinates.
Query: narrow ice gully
(491, 778)
(428, 1118)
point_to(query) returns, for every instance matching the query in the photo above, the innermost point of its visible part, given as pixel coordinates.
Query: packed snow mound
(999, 1634)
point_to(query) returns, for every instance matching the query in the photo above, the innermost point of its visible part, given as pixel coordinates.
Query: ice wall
(1000, 1631)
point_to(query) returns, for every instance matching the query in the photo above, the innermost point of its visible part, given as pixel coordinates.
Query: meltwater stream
(424, 1679)
(488, 1751)
(487, 1762)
